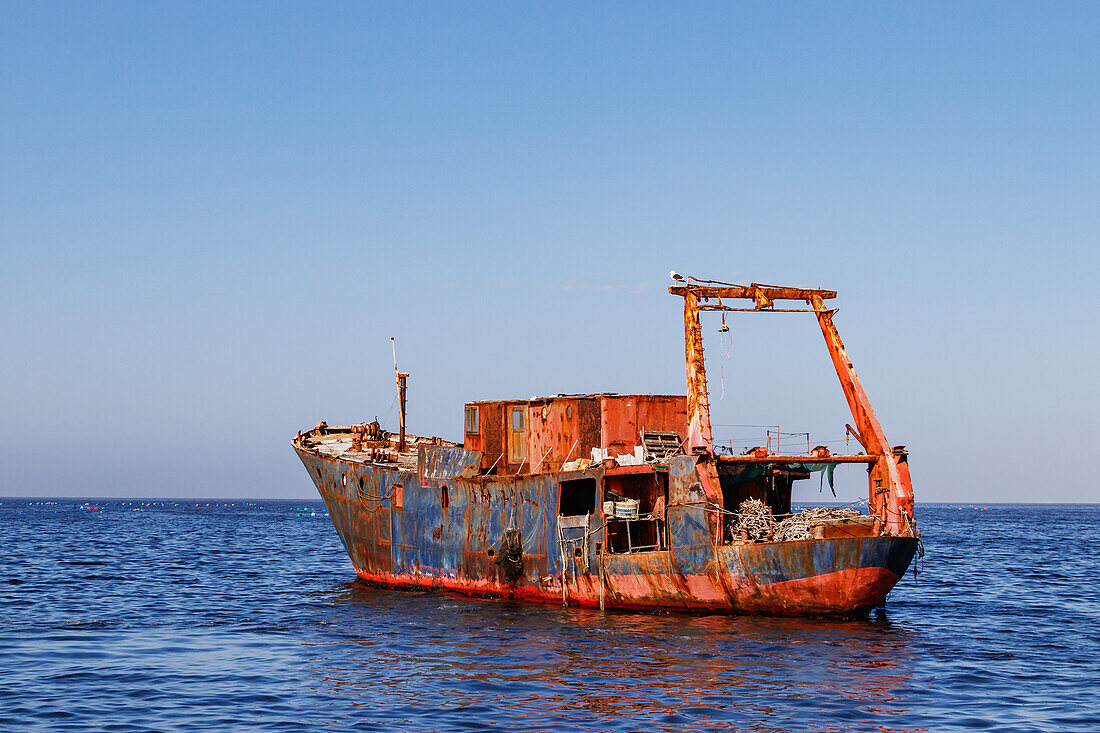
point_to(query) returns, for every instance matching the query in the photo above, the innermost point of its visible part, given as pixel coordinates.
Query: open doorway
(635, 508)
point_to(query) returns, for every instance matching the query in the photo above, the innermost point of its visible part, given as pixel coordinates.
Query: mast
(698, 400)
(400, 377)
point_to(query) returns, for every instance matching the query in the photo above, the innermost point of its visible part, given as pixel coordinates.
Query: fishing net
(755, 521)
(800, 526)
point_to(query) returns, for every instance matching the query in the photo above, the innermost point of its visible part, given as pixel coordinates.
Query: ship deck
(341, 442)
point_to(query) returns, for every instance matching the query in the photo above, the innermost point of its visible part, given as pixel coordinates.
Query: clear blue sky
(214, 216)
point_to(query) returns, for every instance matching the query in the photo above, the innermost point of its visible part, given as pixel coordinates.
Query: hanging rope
(723, 352)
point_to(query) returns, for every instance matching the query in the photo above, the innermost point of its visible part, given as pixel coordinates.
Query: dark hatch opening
(577, 497)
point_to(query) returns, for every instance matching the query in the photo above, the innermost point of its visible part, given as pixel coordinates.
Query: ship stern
(835, 576)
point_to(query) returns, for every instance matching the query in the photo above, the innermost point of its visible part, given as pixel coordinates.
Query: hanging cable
(723, 352)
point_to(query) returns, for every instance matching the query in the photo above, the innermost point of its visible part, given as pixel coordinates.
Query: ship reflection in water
(446, 660)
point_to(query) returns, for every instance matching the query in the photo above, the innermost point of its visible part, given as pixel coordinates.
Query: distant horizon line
(222, 500)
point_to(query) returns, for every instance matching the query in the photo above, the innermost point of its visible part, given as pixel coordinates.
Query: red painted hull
(847, 592)
(406, 529)
(850, 590)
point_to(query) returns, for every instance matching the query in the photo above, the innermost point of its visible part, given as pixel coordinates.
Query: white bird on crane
(676, 276)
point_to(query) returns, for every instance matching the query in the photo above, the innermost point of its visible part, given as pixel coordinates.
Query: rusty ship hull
(431, 527)
(615, 501)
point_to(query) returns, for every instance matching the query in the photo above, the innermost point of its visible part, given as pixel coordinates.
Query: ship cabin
(630, 439)
(566, 434)
(541, 435)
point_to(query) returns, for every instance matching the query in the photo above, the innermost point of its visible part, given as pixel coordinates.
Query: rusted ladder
(566, 548)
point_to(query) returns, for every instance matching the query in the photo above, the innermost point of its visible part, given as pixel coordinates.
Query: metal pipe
(401, 397)
(536, 468)
(779, 458)
(400, 376)
(599, 559)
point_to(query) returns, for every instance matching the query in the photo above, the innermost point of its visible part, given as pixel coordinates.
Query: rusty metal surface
(438, 461)
(623, 417)
(761, 294)
(588, 424)
(492, 432)
(698, 399)
(553, 433)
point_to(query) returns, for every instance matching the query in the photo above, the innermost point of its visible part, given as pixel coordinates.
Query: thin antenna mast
(400, 377)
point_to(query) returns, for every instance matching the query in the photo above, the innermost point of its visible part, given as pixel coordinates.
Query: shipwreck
(622, 501)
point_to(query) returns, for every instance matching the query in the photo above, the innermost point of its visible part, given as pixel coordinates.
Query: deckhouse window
(517, 436)
(471, 421)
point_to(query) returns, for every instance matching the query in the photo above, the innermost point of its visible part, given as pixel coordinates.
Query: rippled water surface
(143, 616)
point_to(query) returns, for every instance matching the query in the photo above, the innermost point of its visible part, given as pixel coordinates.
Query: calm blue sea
(139, 615)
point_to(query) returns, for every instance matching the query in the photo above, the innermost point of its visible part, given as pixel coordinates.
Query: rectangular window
(471, 421)
(577, 497)
(517, 436)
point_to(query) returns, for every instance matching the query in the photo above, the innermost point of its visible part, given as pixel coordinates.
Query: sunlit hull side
(398, 533)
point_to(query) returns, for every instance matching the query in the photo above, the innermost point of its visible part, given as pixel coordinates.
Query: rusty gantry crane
(890, 491)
